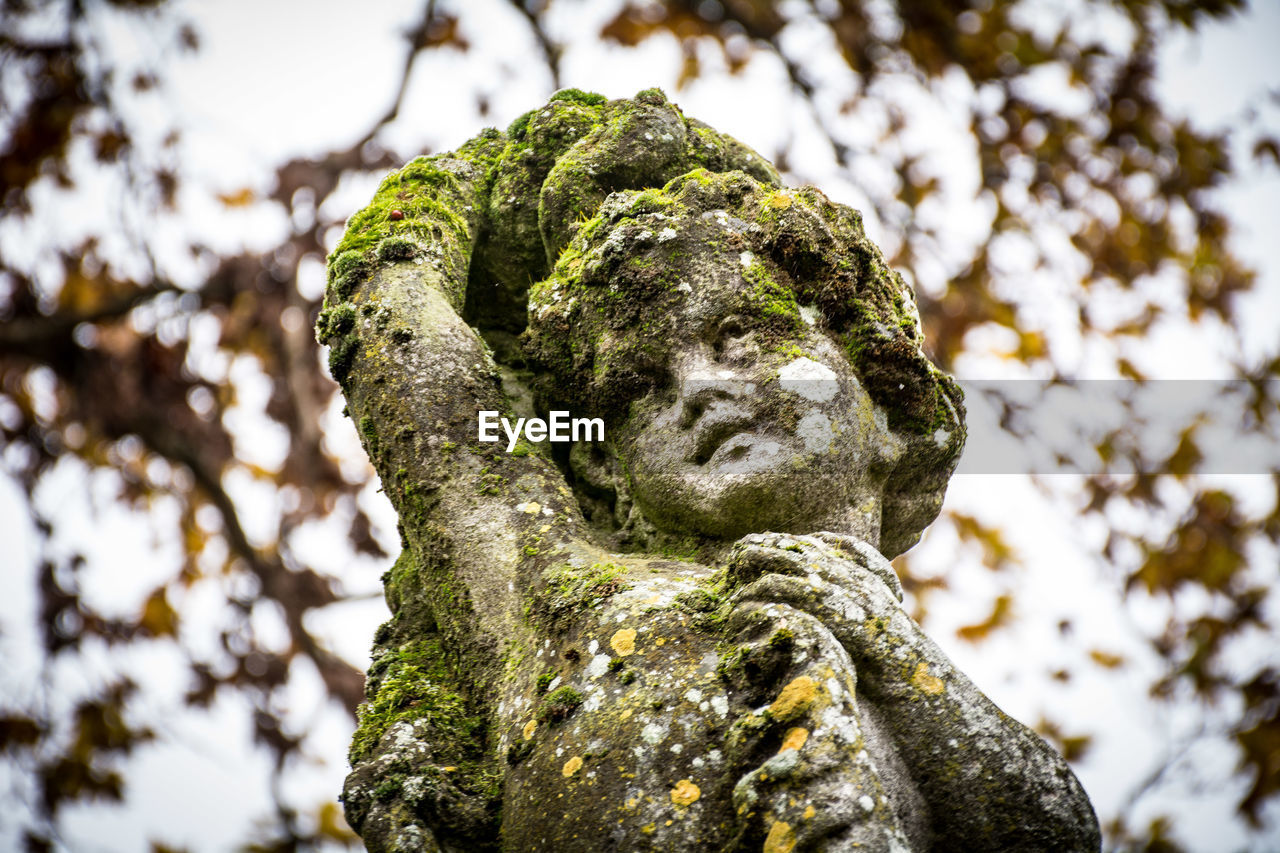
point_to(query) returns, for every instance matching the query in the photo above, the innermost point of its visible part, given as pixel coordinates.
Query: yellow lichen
(529, 728)
(624, 642)
(573, 765)
(780, 839)
(531, 507)
(809, 812)
(780, 201)
(794, 698)
(685, 793)
(794, 739)
(925, 682)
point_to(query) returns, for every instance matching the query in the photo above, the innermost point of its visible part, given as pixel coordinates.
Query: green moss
(580, 97)
(697, 601)
(388, 788)
(341, 356)
(346, 262)
(775, 303)
(544, 681)
(517, 129)
(370, 434)
(415, 205)
(560, 705)
(396, 249)
(784, 639)
(569, 590)
(413, 684)
(334, 321)
(519, 751)
(344, 286)
(649, 201)
(490, 483)
(686, 550)
(654, 96)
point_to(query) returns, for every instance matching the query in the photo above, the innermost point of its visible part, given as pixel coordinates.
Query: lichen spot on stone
(624, 642)
(794, 698)
(925, 682)
(573, 765)
(809, 812)
(685, 793)
(529, 728)
(780, 201)
(780, 838)
(531, 507)
(816, 431)
(794, 739)
(810, 379)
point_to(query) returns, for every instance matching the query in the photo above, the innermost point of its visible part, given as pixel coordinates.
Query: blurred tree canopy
(121, 336)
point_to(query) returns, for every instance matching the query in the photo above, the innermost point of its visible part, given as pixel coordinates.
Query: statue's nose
(707, 382)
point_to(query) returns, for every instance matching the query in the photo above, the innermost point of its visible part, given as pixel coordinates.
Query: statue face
(756, 433)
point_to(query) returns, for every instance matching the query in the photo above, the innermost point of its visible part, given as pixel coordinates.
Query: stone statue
(687, 635)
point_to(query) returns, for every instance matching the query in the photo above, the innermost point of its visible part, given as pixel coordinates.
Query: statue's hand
(806, 774)
(932, 715)
(842, 582)
(834, 558)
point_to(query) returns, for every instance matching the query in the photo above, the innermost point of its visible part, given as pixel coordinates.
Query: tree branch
(550, 50)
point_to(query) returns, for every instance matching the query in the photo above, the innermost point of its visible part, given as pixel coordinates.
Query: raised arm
(473, 518)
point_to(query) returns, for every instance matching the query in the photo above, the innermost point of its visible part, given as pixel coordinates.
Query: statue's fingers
(846, 612)
(751, 560)
(864, 555)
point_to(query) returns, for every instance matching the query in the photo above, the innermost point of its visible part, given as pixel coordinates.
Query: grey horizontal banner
(1122, 427)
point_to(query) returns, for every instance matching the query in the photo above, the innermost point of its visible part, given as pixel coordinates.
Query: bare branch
(550, 50)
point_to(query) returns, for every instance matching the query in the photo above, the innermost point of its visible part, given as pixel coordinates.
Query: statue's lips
(712, 433)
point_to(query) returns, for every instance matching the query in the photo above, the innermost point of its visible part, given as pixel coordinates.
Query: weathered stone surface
(685, 637)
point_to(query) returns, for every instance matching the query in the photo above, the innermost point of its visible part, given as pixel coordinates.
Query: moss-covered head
(665, 290)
